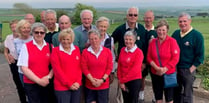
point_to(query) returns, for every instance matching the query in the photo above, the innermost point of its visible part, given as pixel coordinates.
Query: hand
(111, 78)
(192, 68)
(11, 59)
(98, 82)
(123, 87)
(143, 66)
(44, 81)
(75, 86)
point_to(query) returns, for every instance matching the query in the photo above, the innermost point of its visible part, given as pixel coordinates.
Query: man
(64, 23)
(30, 18)
(150, 34)
(138, 29)
(86, 19)
(191, 44)
(11, 57)
(131, 24)
(42, 17)
(50, 17)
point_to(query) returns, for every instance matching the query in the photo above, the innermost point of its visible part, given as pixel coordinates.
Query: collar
(56, 29)
(127, 26)
(90, 49)
(153, 27)
(39, 47)
(84, 29)
(184, 34)
(72, 48)
(132, 49)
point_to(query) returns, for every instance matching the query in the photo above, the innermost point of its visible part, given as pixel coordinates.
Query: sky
(103, 3)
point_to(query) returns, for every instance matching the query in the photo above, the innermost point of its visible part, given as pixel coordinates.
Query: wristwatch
(104, 80)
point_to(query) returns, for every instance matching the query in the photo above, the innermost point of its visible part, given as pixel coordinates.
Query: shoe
(153, 100)
(141, 100)
(141, 95)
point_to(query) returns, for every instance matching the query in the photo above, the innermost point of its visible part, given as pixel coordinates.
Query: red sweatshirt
(97, 67)
(66, 68)
(38, 61)
(129, 65)
(169, 54)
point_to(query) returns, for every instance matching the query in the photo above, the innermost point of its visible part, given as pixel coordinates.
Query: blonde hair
(102, 19)
(20, 24)
(66, 32)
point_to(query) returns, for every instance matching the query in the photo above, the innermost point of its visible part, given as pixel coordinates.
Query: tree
(27, 9)
(78, 8)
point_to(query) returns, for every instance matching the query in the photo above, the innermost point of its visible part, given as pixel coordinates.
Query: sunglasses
(133, 15)
(37, 32)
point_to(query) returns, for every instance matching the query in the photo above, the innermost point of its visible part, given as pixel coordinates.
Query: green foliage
(206, 83)
(78, 8)
(203, 70)
(60, 13)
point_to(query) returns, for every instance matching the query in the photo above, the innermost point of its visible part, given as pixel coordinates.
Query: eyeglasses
(37, 32)
(133, 15)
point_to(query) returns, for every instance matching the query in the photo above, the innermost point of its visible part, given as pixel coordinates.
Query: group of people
(53, 63)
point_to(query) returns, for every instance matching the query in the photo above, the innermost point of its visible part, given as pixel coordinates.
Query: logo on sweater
(187, 43)
(138, 38)
(77, 58)
(128, 59)
(47, 54)
(175, 51)
(152, 37)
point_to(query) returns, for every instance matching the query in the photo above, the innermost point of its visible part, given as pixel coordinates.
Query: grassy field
(117, 18)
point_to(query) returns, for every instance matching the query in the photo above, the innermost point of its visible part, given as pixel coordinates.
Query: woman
(11, 57)
(23, 29)
(34, 61)
(96, 65)
(129, 69)
(65, 61)
(102, 25)
(169, 57)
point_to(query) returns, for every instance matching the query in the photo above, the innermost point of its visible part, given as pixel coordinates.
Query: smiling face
(129, 41)
(102, 27)
(66, 41)
(86, 20)
(94, 40)
(184, 23)
(50, 20)
(148, 18)
(132, 15)
(162, 32)
(25, 30)
(64, 22)
(38, 34)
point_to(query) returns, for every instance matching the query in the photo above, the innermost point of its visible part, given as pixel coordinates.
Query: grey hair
(50, 11)
(86, 10)
(102, 19)
(95, 32)
(37, 25)
(185, 14)
(133, 7)
(130, 33)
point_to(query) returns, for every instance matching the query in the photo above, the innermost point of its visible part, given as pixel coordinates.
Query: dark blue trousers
(131, 96)
(68, 96)
(100, 96)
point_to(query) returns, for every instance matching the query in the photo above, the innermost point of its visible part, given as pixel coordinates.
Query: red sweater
(129, 65)
(66, 68)
(38, 61)
(169, 54)
(97, 67)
